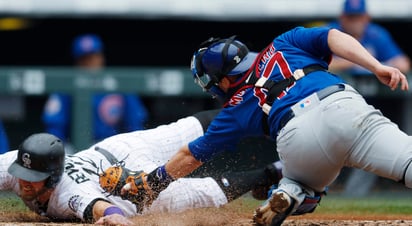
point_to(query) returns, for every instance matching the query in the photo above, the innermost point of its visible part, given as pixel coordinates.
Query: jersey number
(266, 68)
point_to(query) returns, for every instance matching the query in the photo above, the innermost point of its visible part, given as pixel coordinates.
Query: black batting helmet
(40, 156)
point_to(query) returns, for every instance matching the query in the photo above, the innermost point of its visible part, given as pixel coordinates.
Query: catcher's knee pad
(309, 204)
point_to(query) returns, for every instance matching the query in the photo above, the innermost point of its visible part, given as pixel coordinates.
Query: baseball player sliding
(67, 187)
(320, 124)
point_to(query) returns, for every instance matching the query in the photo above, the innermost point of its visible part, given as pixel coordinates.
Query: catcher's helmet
(40, 156)
(217, 58)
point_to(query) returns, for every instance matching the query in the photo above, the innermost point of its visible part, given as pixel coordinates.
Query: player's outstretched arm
(347, 47)
(149, 186)
(182, 163)
(105, 213)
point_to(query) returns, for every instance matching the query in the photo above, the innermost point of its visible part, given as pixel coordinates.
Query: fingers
(114, 219)
(393, 82)
(101, 221)
(398, 79)
(404, 83)
(395, 78)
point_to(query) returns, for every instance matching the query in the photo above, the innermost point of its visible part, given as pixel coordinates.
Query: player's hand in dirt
(114, 219)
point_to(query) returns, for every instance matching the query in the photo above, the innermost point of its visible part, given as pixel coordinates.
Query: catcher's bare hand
(114, 219)
(392, 77)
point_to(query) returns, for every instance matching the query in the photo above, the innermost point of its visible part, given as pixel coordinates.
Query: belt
(322, 94)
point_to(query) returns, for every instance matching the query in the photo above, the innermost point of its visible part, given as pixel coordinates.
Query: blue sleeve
(306, 41)
(240, 118)
(4, 141)
(222, 135)
(136, 114)
(56, 115)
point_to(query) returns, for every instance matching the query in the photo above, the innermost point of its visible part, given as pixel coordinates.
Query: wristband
(159, 179)
(163, 175)
(112, 210)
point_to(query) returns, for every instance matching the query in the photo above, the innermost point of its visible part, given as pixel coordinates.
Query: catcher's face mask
(208, 82)
(218, 58)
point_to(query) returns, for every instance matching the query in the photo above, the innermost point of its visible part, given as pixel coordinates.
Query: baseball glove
(129, 185)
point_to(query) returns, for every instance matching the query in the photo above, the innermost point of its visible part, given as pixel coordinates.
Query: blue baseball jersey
(242, 115)
(112, 114)
(378, 41)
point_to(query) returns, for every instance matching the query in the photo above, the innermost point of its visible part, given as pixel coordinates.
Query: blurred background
(147, 48)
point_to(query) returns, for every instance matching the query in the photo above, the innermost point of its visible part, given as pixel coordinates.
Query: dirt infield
(231, 215)
(237, 213)
(219, 217)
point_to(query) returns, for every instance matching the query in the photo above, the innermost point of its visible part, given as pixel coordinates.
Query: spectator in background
(4, 141)
(113, 113)
(355, 20)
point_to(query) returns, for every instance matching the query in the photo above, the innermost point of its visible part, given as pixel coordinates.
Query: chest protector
(273, 88)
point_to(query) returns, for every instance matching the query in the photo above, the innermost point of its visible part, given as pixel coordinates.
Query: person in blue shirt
(4, 140)
(320, 123)
(356, 21)
(113, 113)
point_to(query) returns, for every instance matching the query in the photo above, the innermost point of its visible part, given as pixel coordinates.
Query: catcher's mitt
(113, 179)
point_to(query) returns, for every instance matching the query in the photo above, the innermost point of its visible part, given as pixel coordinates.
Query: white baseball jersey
(141, 150)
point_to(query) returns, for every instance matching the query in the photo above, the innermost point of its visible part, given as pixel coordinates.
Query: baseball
(127, 187)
